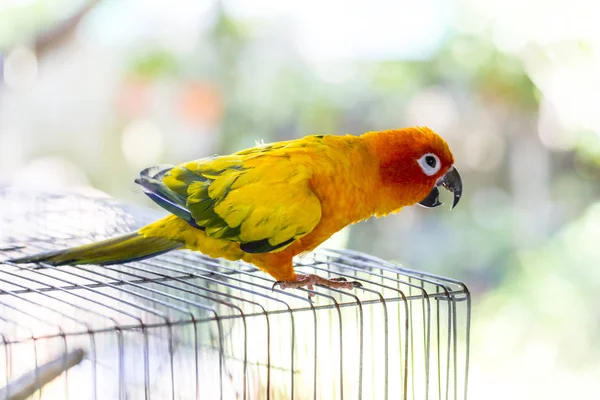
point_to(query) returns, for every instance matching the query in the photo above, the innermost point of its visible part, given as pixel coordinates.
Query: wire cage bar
(185, 326)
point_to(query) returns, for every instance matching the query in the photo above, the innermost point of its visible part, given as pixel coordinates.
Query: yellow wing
(260, 197)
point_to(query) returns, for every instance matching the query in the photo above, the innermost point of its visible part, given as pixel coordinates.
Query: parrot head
(413, 163)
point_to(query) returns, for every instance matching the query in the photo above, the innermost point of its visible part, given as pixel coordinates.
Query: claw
(308, 281)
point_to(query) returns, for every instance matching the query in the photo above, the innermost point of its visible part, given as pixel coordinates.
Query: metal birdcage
(185, 326)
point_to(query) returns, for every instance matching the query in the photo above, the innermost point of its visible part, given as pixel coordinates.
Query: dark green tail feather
(131, 247)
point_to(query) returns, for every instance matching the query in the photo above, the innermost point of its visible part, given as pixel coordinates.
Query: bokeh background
(91, 92)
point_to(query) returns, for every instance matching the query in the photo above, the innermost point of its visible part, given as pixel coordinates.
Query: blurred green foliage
(155, 64)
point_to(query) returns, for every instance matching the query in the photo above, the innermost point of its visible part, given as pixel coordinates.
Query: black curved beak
(452, 182)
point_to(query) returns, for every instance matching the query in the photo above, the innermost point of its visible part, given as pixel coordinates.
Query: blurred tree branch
(53, 37)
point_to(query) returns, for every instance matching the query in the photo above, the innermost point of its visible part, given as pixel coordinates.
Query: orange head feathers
(413, 162)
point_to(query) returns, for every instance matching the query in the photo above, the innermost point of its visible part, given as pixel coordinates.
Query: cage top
(176, 288)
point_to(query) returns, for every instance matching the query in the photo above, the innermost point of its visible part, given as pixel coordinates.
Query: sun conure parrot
(267, 204)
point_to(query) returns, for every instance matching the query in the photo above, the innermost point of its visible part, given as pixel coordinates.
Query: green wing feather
(260, 197)
(126, 248)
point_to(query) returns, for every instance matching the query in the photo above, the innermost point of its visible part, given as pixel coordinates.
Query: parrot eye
(429, 163)
(430, 160)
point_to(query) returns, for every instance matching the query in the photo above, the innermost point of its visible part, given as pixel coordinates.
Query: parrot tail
(131, 247)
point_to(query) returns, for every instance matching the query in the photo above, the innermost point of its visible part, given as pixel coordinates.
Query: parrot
(272, 202)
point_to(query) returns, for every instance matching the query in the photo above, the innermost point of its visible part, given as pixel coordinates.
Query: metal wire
(185, 326)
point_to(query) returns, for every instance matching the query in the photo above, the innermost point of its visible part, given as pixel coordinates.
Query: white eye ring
(429, 163)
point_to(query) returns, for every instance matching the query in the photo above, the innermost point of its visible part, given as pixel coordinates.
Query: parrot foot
(309, 280)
